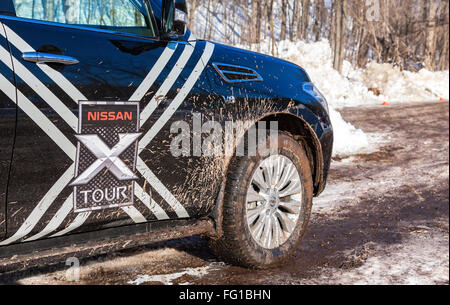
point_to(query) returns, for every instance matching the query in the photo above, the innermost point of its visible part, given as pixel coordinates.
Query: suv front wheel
(266, 207)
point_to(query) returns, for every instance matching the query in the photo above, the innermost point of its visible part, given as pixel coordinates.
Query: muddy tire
(240, 243)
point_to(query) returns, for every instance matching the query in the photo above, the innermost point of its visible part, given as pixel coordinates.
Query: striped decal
(151, 77)
(134, 214)
(78, 222)
(39, 88)
(54, 75)
(41, 207)
(60, 139)
(57, 220)
(168, 83)
(176, 103)
(38, 117)
(153, 206)
(161, 189)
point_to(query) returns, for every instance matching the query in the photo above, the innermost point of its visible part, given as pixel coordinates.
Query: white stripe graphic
(41, 207)
(54, 133)
(43, 122)
(39, 88)
(138, 95)
(151, 77)
(78, 222)
(56, 76)
(57, 220)
(156, 128)
(176, 103)
(159, 213)
(168, 83)
(82, 217)
(38, 117)
(134, 214)
(64, 211)
(161, 189)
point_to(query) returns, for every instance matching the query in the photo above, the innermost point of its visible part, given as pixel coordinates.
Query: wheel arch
(305, 135)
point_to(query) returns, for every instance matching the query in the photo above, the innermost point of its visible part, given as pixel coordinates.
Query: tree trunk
(305, 19)
(340, 34)
(317, 19)
(299, 20)
(193, 4)
(50, 16)
(292, 23)
(258, 21)
(271, 25)
(430, 21)
(284, 4)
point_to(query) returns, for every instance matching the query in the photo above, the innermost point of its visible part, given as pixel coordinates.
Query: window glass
(168, 26)
(129, 16)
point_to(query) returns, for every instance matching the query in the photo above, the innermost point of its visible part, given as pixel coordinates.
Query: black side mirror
(175, 17)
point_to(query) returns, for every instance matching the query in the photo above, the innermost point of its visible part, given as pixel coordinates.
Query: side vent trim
(236, 74)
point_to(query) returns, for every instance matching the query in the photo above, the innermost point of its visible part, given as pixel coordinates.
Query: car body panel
(8, 112)
(113, 68)
(114, 74)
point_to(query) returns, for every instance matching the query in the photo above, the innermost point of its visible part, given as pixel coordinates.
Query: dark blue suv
(109, 111)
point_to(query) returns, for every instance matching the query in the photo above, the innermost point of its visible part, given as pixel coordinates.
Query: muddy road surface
(383, 219)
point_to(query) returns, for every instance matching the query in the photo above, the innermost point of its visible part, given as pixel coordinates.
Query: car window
(129, 16)
(159, 10)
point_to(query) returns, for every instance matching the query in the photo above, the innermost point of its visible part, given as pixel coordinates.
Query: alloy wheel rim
(273, 202)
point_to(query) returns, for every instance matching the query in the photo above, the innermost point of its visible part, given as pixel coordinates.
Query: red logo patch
(110, 116)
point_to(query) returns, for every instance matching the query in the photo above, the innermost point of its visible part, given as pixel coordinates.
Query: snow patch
(168, 279)
(422, 260)
(347, 139)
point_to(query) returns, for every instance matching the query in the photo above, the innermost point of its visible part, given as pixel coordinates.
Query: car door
(84, 71)
(7, 123)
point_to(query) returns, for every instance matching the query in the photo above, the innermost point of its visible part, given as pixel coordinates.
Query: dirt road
(383, 219)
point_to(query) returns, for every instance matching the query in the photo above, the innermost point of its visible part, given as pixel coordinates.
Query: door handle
(39, 57)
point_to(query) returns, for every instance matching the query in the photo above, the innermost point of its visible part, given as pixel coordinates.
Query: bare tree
(407, 33)
(430, 10)
(284, 9)
(339, 34)
(303, 24)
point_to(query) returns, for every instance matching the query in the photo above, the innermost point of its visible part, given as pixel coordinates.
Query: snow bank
(347, 139)
(357, 87)
(398, 86)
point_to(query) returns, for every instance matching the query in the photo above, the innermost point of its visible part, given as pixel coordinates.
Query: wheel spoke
(288, 174)
(259, 180)
(292, 206)
(268, 173)
(258, 228)
(293, 188)
(254, 213)
(286, 222)
(273, 203)
(267, 234)
(277, 232)
(253, 196)
(279, 166)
